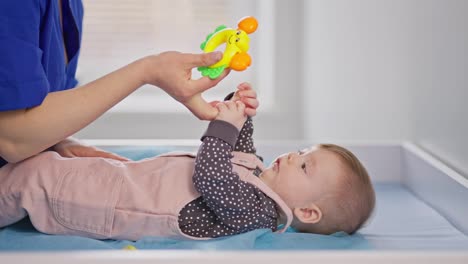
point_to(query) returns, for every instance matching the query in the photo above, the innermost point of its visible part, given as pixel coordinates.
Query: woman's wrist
(149, 68)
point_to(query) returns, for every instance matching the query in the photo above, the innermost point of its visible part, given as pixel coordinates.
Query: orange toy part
(240, 61)
(248, 24)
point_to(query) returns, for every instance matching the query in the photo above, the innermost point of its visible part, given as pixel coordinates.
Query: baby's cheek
(289, 193)
(301, 192)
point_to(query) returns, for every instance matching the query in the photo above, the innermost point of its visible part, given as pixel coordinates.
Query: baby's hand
(248, 96)
(232, 112)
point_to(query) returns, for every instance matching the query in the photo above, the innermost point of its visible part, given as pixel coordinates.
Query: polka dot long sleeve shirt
(227, 205)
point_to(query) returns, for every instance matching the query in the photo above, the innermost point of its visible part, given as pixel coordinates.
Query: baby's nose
(292, 156)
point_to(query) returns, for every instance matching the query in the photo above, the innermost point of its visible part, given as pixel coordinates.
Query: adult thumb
(201, 109)
(206, 59)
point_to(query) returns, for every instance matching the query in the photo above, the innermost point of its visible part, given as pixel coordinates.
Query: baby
(224, 190)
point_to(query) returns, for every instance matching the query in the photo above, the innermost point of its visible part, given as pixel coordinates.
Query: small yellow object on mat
(129, 247)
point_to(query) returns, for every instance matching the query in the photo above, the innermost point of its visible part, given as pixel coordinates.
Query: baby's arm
(248, 96)
(245, 141)
(239, 205)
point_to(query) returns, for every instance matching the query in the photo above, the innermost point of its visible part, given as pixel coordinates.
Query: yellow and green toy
(235, 54)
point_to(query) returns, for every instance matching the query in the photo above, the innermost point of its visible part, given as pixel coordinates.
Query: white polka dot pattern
(227, 205)
(244, 141)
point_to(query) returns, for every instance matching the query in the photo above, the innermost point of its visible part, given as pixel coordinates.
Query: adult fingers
(214, 103)
(200, 108)
(109, 155)
(66, 153)
(102, 154)
(205, 83)
(204, 59)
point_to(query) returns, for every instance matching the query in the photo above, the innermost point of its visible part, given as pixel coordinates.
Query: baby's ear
(308, 215)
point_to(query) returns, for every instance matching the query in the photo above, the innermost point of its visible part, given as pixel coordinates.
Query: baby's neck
(261, 178)
(282, 219)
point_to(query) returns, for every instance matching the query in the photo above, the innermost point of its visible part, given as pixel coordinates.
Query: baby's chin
(267, 176)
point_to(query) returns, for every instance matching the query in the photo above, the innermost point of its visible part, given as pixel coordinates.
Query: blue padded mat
(402, 221)
(23, 236)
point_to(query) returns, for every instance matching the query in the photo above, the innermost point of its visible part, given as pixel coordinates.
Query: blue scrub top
(32, 60)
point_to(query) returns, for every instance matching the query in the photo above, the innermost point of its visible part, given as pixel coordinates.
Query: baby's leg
(70, 196)
(25, 185)
(10, 196)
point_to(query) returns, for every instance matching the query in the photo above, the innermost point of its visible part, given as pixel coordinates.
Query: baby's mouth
(276, 165)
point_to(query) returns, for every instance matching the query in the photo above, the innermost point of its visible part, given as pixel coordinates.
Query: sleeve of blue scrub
(23, 82)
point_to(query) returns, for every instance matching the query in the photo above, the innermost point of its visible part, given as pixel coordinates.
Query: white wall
(439, 79)
(388, 70)
(356, 71)
(361, 70)
(285, 78)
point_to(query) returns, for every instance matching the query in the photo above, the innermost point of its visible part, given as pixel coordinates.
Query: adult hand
(172, 72)
(232, 112)
(73, 148)
(248, 96)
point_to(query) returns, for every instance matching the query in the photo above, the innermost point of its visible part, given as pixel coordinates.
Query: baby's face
(303, 177)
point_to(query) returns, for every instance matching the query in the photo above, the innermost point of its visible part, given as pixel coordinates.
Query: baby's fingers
(250, 112)
(247, 93)
(250, 102)
(221, 106)
(244, 86)
(230, 105)
(240, 106)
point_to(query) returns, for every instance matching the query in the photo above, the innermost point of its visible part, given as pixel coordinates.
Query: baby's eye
(304, 167)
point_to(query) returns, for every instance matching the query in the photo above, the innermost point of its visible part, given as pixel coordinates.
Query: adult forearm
(24, 133)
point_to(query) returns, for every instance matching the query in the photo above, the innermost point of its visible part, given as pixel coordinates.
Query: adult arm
(26, 132)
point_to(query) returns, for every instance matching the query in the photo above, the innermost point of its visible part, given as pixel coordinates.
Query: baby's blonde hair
(351, 204)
